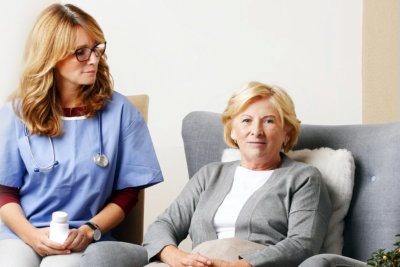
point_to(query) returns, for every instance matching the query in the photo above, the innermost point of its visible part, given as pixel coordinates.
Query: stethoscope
(99, 158)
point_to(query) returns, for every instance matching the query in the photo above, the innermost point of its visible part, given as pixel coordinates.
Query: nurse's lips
(90, 72)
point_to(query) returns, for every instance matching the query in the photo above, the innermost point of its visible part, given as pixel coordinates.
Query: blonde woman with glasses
(69, 143)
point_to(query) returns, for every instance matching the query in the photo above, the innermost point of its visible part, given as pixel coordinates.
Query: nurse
(68, 142)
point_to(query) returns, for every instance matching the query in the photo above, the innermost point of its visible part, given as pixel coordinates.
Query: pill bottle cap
(60, 217)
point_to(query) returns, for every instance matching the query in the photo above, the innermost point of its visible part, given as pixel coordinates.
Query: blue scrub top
(77, 185)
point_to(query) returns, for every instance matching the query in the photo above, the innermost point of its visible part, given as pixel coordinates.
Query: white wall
(192, 55)
(16, 21)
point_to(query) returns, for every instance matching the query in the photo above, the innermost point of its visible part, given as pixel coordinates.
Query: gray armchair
(374, 215)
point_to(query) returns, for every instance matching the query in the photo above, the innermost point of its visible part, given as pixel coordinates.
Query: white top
(245, 183)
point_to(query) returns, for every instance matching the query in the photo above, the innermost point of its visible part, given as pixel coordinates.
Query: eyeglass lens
(83, 54)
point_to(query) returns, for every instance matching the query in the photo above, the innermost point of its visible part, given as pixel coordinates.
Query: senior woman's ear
(233, 135)
(286, 140)
(232, 130)
(285, 143)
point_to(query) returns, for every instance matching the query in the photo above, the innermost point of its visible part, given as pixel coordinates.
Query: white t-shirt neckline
(245, 183)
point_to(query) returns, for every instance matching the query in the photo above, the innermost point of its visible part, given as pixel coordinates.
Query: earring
(285, 142)
(235, 142)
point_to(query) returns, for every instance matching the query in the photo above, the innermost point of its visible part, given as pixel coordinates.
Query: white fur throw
(337, 169)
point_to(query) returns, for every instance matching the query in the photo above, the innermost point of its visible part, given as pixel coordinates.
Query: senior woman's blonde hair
(278, 97)
(51, 40)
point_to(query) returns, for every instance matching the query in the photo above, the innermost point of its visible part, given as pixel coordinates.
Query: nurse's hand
(79, 239)
(41, 243)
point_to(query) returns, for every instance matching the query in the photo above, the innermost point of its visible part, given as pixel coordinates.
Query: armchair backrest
(374, 215)
(131, 228)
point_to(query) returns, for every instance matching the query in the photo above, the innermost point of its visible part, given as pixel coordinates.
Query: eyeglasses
(84, 53)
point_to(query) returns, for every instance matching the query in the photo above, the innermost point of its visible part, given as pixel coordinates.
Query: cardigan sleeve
(172, 226)
(308, 219)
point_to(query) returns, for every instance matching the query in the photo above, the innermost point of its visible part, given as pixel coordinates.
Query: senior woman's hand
(222, 263)
(177, 258)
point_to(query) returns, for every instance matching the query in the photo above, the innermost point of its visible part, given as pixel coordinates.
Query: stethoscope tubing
(100, 133)
(103, 162)
(38, 167)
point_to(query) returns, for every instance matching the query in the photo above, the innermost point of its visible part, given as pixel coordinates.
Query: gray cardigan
(289, 213)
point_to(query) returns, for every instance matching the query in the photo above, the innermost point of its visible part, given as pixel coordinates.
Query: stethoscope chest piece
(101, 160)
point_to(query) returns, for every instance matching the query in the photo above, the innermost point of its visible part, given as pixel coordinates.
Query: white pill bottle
(59, 226)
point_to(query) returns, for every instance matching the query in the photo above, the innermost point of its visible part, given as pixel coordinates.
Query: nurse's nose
(93, 59)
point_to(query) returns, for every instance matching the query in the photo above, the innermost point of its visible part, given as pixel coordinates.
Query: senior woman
(264, 210)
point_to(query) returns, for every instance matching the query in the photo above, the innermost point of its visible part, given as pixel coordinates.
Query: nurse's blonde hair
(278, 97)
(51, 40)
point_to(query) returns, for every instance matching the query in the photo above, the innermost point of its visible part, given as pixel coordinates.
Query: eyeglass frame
(93, 49)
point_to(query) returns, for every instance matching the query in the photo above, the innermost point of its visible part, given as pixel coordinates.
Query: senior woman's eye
(246, 120)
(268, 121)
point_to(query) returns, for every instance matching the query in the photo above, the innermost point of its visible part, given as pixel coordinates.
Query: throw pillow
(337, 170)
